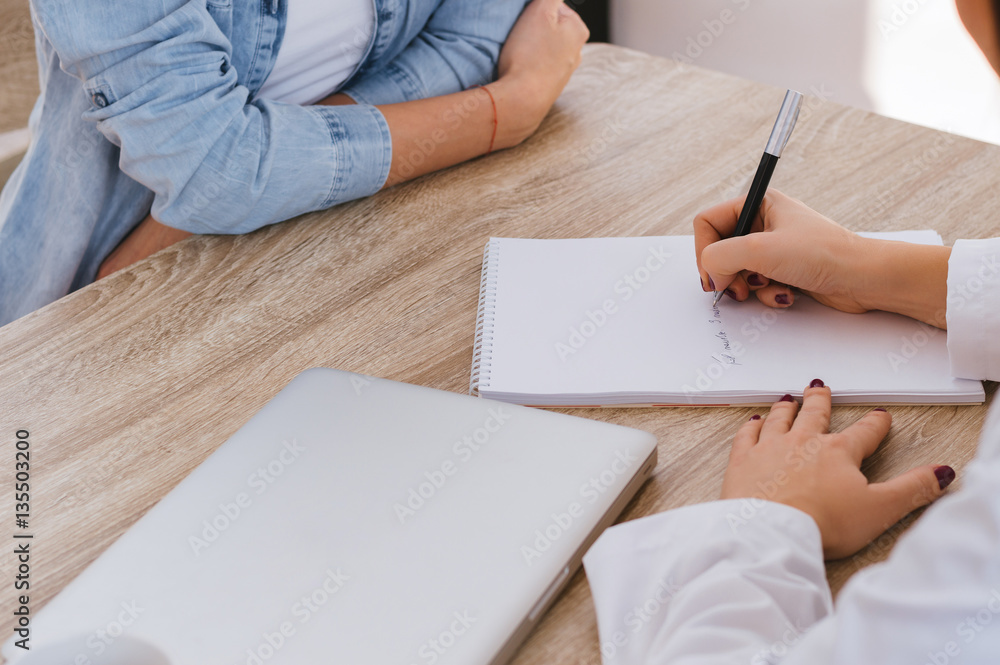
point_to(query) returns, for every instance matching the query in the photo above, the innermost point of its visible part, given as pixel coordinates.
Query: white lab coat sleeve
(684, 588)
(936, 600)
(734, 581)
(973, 310)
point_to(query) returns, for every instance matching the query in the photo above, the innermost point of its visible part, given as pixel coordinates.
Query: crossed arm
(540, 54)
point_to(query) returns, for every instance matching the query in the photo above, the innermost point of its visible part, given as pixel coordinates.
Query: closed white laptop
(353, 520)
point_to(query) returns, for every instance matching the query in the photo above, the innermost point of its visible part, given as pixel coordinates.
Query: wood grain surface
(130, 383)
(18, 67)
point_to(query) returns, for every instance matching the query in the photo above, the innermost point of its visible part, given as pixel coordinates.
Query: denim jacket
(150, 105)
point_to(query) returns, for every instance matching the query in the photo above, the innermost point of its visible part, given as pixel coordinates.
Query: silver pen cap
(785, 123)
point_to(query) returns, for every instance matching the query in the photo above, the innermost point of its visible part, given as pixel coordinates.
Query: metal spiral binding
(482, 353)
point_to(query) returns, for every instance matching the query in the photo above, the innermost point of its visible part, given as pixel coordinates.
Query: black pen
(783, 127)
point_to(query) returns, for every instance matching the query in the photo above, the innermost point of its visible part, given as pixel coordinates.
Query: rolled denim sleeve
(162, 90)
(458, 48)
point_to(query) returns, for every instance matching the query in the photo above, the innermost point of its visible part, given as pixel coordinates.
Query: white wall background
(907, 59)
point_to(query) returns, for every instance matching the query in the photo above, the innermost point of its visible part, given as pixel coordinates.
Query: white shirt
(324, 42)
(744, 582)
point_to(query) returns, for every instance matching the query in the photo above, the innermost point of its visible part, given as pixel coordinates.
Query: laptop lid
(353, 520)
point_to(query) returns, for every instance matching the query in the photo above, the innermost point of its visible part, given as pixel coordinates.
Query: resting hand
(791, 244)
(144, 240)
(791, 457)
(541, 53)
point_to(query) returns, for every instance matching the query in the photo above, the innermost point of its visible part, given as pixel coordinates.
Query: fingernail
(711, 283)
(731, 294)
(753, 279)
(816, 383)
(755, 417)
(880, 409)
(781, 299)
(945, 474)
(703, 287)
(786, 398)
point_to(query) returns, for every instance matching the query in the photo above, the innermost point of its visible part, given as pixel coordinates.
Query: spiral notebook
(623, 321)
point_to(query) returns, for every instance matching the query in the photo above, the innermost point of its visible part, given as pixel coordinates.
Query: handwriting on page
(728, 356)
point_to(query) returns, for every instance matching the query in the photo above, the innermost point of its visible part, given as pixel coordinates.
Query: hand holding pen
(793, 245)
(783, 126)
(787, 244)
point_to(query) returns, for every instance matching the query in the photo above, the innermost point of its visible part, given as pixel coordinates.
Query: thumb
(757, 252)
(897, 498)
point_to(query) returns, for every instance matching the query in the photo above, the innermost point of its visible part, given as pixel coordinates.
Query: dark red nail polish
(786, 398)
(711, 283)
(880, 409)
(731, 294)
(753, 279)
(781, 299)
(945, 474)
(755, 417)
(816, 383)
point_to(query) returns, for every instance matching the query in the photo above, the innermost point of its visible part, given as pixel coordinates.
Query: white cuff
(720, 581)
(973, 313)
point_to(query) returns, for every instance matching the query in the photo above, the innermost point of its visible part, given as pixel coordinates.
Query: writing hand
(791, 244)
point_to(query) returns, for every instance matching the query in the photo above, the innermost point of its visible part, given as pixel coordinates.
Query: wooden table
(130, 383)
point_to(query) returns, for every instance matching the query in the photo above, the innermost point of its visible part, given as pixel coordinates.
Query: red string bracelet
(495, 122)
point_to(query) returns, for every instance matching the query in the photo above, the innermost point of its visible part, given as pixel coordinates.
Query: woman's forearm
(908, 279)
(433, 134)
(438, 132)
(540, 55)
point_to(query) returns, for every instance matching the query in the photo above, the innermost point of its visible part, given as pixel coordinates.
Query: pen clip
(783, 126)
